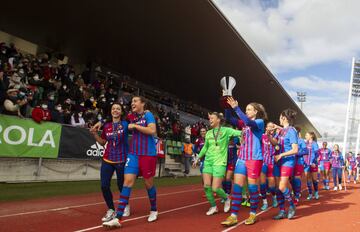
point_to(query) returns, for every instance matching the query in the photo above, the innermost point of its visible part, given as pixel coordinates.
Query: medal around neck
(227, 84)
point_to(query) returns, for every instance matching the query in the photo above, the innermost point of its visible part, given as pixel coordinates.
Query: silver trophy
(227, 84)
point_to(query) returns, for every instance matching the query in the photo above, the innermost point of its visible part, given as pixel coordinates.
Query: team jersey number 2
(127, 162)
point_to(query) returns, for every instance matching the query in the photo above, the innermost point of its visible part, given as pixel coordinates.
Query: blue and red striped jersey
(268, 150)
(312, 153)
(302, 148)
(351, 161)
(324, 154)
(116, 135)
(336, 159)
(143, 144)
(251, 137)
(251, 141)
(287, 136)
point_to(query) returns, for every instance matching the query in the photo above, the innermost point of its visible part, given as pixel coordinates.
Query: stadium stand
(42, 88)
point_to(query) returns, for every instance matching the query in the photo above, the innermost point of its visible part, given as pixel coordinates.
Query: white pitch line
(91, 204)
(240, 223)
(144, 216)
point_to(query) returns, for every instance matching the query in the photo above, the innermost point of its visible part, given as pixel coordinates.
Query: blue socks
(236, 199)
(254, 197)
(287, 196)
(309, 187)
(124, 200)
(152, 198)
(297, 187)
(227, 186)
(263, 190)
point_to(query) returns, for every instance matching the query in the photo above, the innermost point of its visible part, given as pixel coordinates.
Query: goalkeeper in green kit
(216, 150)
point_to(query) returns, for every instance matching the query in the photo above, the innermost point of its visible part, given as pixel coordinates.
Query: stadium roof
(181, 46)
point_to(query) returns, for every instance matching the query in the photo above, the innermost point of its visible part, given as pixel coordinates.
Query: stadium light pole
(348, 109)
(301, 97)
(357, 141)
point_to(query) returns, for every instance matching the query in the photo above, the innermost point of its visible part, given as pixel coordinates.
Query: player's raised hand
(232, 102)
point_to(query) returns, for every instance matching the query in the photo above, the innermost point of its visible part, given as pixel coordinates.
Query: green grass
(26, 191)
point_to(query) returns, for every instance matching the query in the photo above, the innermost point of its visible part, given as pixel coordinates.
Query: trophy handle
(223, 84)
(232, 83)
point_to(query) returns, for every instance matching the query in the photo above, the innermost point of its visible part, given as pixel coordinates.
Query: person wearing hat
(12, 104)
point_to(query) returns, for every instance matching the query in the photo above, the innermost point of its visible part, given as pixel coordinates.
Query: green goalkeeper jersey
(216, 145)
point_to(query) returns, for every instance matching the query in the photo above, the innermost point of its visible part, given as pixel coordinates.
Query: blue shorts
(141, 165)
(321, 166)
(249, 168)
(264, 169)
(299, 161)
(285, 167)
(268, 170)
(308, 168)
(288, 162)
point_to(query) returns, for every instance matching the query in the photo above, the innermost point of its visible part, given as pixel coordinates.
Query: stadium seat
(170, 150)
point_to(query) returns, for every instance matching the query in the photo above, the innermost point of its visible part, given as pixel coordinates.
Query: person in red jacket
(41, 113)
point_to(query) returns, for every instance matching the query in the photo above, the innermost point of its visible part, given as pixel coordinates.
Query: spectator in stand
(12, 104)
(67, 107)
(81, 107)
(15, 81)
(111, 94)
(51, 101)
(2, 91)
(187, 133)
(64, 93)
(91, 103)
(77, 120)
(27, 108)
(187, 150)
(194, 132)
(57, 115)
(103, 106)
(176, 131)
(58, 84)
(41, 113)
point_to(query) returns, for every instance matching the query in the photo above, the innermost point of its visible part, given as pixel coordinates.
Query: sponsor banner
(26, 138)
(79, 143)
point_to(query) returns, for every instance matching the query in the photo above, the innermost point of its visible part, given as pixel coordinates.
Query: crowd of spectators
(39, 87)
(171, 127)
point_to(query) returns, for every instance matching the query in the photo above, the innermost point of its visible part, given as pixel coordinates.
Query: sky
(308, 45)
